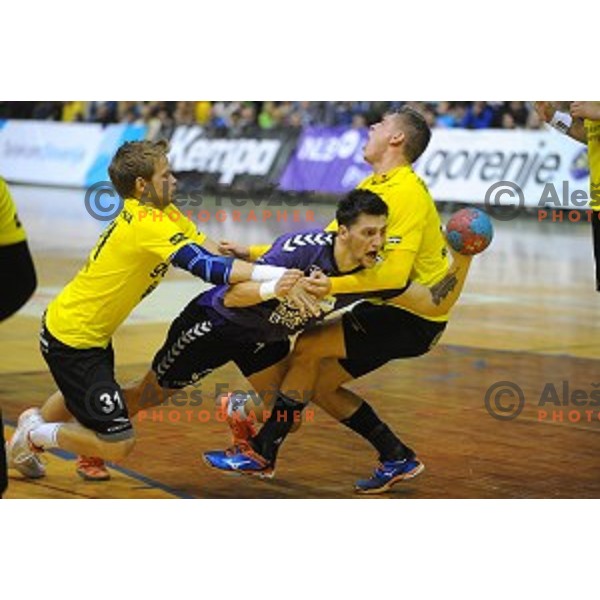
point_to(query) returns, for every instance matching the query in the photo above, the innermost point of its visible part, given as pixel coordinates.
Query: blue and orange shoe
(240, 459)
(388, 474)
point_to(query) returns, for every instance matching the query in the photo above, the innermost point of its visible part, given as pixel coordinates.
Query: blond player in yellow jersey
(19, 282)
(129, 260)
(582, 123)
(372, 333)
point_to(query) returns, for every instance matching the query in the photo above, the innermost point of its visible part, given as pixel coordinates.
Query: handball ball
(469, 231)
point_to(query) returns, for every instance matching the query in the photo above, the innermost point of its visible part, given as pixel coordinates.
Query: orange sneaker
(92, 468)
(242, 428)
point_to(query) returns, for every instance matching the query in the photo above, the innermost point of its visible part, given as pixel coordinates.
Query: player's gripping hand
(457, 257)
(287, 281)
(227, 248)
(304, 301)
(318, 284)
(585, 110)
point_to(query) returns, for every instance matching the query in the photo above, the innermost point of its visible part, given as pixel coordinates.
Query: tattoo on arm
(440, 291)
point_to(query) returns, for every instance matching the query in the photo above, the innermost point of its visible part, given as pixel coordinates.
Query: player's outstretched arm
(290, 286)
(221, 270)
(437, 300)
(392, 274)
(563, 122)
(249, 293)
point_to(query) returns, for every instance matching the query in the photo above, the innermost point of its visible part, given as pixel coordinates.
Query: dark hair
(358, 202)
(133, 160)
(416, 130)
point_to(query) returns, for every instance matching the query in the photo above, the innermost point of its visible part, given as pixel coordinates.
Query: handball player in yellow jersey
(373, 332)
(129, 260)
(582, 123)
(18, 274)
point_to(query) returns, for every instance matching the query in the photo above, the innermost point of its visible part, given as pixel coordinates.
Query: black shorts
(3, 469)
(86, 379)
(375, 334)
(18, 276)
(200, 341)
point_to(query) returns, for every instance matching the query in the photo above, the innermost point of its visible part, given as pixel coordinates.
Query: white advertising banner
(549, 168)
(61, 154)
(48, 153)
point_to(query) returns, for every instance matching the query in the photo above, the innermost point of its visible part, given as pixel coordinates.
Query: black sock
(278, 425)
(367, 424)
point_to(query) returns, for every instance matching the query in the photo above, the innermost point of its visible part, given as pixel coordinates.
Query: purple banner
(327, 159)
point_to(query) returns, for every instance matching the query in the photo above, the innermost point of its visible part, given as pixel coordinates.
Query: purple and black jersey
(276, 319)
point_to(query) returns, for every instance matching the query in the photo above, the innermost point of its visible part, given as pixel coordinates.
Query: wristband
(561, 121)
(267, 289)
(266, 273)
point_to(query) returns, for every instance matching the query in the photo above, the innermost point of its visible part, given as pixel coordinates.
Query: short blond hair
(133, 160)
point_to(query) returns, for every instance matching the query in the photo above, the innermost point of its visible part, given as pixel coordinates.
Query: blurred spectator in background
(429, 115)
(445, 117)
(518, 111)
(47, 111)
(295, 120)
(73, 111)
(231, 118)
(102, 112)
(508, 121)
(128, 111)
(248, 117)
(342, 113)
(242, 121)
(309, 113)
(16, 110)
(184, 114)
(203, 110)
(359, 121)
(265, 118)
(534, 121)
(166, 123)
(479, 116)
(149, 117)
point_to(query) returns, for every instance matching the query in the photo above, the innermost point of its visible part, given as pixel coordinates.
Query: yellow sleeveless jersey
(11, 230)
(128, 262)
(414, 226)
(592, 129)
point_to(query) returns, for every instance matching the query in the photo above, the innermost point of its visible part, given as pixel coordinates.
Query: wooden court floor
(529, 316)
